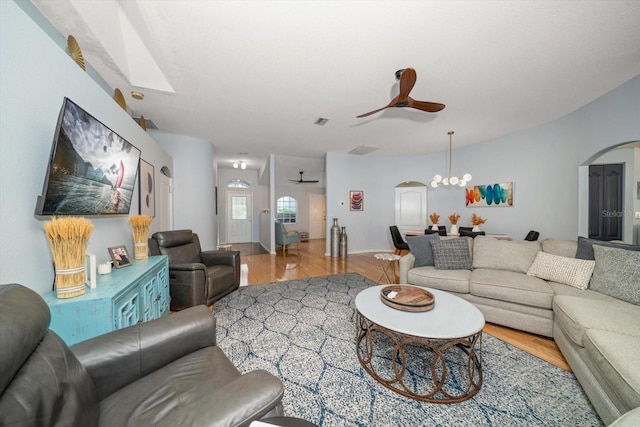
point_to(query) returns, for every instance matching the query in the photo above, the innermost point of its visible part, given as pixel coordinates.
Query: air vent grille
(363, 149)
(147, 122)
(321, 121)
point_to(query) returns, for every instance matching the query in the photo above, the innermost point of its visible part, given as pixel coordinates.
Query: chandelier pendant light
(450, 180)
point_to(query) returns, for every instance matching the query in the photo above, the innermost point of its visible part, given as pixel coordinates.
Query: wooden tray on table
(407, 298)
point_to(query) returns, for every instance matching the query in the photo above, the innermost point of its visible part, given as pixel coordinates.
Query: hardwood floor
(309, 260)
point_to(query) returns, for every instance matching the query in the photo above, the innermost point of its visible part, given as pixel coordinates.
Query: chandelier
(450, 180)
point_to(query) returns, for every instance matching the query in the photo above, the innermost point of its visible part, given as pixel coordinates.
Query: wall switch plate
(637, 215)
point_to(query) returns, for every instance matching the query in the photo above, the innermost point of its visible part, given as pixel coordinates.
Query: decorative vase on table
(475, 229)
(335, 239)
(434, 227)
(454, 229)
(343, 243)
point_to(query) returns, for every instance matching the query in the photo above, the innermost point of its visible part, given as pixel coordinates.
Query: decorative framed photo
(147, 189)
(356, 198)
(120, 256)
(498, 195)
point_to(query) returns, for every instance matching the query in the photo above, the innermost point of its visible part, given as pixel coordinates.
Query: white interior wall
(36, 75)
(193, 184)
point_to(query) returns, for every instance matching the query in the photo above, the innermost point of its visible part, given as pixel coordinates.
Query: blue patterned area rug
(303, 331)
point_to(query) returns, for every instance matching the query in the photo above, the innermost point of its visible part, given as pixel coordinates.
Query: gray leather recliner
(195, 276)
(164, 372)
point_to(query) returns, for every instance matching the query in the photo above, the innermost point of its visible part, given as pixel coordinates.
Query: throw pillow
(452, 254)
(420, 247)
(585, 247)
(617, 273)
(568, 271)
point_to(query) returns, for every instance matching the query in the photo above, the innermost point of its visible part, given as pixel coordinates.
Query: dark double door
(606, 201)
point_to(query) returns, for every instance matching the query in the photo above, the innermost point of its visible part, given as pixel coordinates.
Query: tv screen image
(92, 170)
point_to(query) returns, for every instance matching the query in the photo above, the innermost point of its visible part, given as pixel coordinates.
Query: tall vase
(343, 243)
(335, 239)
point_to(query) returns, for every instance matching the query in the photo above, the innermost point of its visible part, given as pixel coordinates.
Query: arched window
(238, 183)
(287, 209)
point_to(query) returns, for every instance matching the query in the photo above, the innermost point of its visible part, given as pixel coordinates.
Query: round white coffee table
(413, 353)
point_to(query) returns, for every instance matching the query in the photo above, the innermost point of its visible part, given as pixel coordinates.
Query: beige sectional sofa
(597, 333)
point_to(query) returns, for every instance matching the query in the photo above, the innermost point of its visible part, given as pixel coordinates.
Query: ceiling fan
(407, 79)
(303, 181)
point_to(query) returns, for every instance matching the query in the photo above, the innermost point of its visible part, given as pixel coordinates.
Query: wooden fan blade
(407, 81)
(429, 107)
(393, 103)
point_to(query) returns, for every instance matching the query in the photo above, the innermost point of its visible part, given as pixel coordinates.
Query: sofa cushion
(510, 286)
(560, 247)
(617, 273)
(585, 247)
(420, 247)
(616, 357)
(570, 271)
(562, 289)
(575, 315)
(446, 280)
(503, 254)
(452, 254)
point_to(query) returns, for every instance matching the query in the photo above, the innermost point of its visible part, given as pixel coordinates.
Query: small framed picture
(120, 256)
(356, 198)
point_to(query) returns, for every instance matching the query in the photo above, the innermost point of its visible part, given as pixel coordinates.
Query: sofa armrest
(121, 357)
(247, 398)
(406, 263)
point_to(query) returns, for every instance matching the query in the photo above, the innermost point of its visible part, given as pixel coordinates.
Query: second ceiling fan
(303, 181)
(407, 79)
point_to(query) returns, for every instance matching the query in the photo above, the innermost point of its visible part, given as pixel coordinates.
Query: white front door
(239, 218)
(411, 208)
(317, 216)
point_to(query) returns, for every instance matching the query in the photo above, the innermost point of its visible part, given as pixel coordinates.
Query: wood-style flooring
(308, 260)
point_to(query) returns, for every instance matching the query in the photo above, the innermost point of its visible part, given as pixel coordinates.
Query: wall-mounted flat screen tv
(92, 170)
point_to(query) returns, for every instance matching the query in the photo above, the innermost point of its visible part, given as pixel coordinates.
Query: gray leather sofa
(599, 335)
(167, 372)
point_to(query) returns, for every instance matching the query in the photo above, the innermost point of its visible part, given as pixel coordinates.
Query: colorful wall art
(499, 195)
(356, 199)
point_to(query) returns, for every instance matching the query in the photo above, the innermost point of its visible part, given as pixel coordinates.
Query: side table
(388, 262)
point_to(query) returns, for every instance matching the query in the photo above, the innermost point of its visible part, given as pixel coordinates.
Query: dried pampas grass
(454, 217)
(477, 220)
(140, 230)
(434, 217)
(68, 239)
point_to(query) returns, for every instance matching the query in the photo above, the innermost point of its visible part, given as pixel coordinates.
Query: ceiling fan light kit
(438, 180)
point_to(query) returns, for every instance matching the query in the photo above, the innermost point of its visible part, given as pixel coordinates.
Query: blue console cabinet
(127, 296)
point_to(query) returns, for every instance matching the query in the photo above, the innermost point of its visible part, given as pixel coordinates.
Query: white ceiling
(253, 76)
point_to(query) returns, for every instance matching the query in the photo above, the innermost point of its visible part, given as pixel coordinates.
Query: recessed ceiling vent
(363, 149)
(321, 121)
(148, 122)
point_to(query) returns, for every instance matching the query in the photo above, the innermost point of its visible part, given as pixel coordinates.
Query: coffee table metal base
(403, 382)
